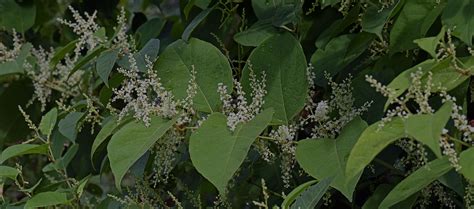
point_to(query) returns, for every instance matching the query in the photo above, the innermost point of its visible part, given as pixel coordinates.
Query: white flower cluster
(85, 29)
(416, 155)
(187, 104)
(438, 191)
(448, 150)
(460, 121)
(340, 102)
(10, 54)
(165, 156)
(121, 39)
(47, 78)
(416, 92)
(143, 94)
(237, 109)
(285, 136)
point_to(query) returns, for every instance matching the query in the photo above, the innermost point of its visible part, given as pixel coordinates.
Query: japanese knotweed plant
(236, 104)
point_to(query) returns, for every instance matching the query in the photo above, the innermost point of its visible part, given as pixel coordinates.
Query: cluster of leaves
(242, 104)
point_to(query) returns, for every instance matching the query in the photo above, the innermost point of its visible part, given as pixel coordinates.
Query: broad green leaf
(68, 125)
(339, 53)
(217, 153)
(312, 195)
(8, 172)
(22, 149)
(458, 15)
(415, 18)
(465, 161)
(16, 66)
(105, 63)
(193, 24)
(425, 128)
(45, 199)
(14, 16)
(417, 181)
(374, 18)
(176, 62)
(313, 156)
(107, 130)
(129, 143)
(256, 34)
(429, 44)
(291, 197)
(48, 122)
(282, 59)
(150, 30)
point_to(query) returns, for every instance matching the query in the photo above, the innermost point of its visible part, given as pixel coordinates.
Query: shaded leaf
(105, 63)
(176, 62)
(312, 195)
(313, 156)
(282, 59)
(217, 153)
(22, 149)
(45, 199)
(68, 125)
(417, 181)
(48, 122)
(129, 143)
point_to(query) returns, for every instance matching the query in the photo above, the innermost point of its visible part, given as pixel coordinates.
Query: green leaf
(377, 197)
(217, 153)
(150, 30)
(198, 19)
(429, 44)
(129, 143)
(68, 125)
(14, 16)
(374, 18)
(424, 128)
(458, 15)
(48, 122)
(417, 181)
(22, 149)
(415, 18)
(107, 130)
(105, 64)
(444, 75)
(256, 34)
(465, 161)
(311, 196)
(45, 199)
(8, 172)
(313, 156)
(295, 193)
(339, 53)
(176, 62)
(282, 59)
(16, 66)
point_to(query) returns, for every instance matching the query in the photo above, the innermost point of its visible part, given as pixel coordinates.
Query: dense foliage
(234, 103)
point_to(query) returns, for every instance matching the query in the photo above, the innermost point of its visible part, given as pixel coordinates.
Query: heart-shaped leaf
(129, 143)
(282, 59)
(424, 128)
(314, 154)
(176, 62)
(217, 153)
